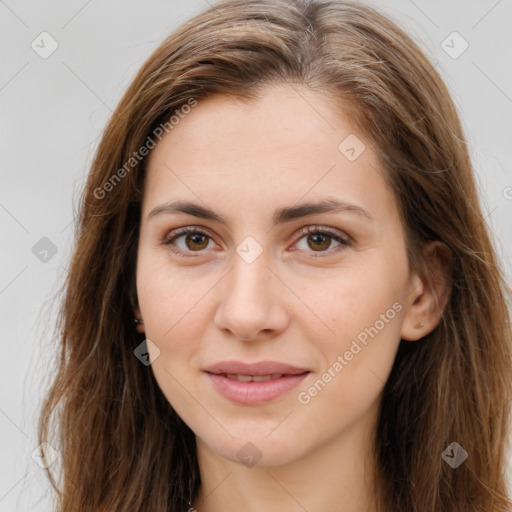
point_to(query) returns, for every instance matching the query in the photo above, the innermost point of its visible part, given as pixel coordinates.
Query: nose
(251, 303)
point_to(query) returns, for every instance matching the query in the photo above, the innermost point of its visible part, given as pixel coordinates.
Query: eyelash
(308, 230)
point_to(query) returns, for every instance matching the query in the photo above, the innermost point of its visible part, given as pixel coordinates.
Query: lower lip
(255, 393)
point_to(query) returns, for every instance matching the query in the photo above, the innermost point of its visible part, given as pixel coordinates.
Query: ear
(429, 292)
(137, 315)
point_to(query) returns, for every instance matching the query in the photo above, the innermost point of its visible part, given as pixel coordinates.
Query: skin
(208, 304)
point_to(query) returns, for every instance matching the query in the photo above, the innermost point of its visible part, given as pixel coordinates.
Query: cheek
(356, 362)
(354, 300)
(174, 320)
(169, 297)
(364, 314)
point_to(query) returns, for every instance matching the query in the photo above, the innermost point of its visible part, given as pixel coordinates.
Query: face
(249, 276)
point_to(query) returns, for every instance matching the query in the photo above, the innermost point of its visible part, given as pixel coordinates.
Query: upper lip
(259, 368)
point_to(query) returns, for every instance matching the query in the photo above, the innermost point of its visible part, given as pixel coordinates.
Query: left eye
(317, 238)
(320, 238)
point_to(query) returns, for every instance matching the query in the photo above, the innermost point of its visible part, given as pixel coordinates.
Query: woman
(283, 295)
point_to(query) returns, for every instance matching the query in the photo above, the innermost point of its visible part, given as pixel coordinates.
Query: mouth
(260, 368)
(256, 383)
(251, 378)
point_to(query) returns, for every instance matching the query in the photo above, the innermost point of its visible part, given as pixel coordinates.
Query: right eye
(194, 240)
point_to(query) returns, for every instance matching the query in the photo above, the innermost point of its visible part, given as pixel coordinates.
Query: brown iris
(317, 237)
(196, 239)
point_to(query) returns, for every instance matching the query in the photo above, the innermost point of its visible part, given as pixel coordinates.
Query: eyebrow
(281, 215)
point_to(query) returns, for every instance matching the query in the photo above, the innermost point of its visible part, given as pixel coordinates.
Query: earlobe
(429, 293)
(414, 324)
(138, 321)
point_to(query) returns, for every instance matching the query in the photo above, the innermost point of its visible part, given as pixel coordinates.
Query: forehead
(279, 118)
(288, 144)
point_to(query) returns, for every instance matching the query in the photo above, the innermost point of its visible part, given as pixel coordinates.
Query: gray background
(53, 112)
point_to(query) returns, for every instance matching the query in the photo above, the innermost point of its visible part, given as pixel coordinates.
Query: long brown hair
(122, 446)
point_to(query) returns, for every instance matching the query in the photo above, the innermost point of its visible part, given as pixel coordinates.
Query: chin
(257, 450)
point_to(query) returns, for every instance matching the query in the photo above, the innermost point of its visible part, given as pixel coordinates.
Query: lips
(255, 383)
